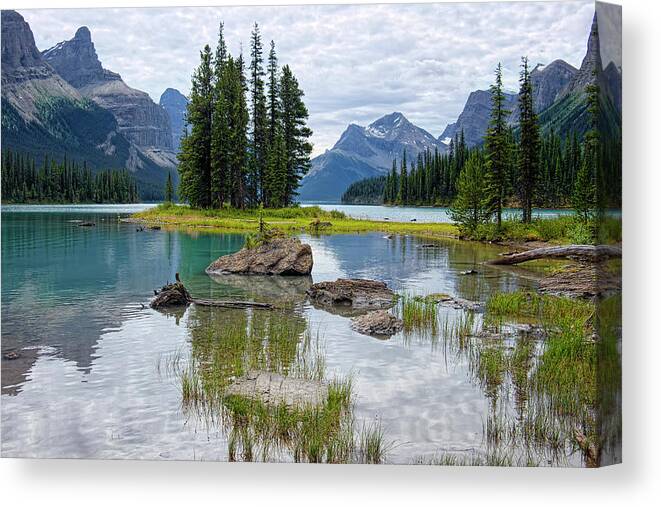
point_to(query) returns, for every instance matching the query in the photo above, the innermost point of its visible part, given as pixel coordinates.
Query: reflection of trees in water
(609, 379)
(228, 344)
(278, 290)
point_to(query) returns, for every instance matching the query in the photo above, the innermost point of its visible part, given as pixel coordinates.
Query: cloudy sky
(354, 62)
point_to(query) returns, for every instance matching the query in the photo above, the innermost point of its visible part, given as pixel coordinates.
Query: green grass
(566, 229)
(560, 230)
(293, 219)
(547, 309)
(419, 314)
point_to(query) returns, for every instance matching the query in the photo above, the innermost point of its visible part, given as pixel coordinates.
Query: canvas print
(352, 234)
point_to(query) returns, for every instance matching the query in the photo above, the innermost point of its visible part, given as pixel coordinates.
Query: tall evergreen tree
(259, 122)
(220, 126)
(402, 195)
(497, 148)
(238, 134)
(169, 189)
(296, 133)
(195, 153)
(528, 153)
(585, 196)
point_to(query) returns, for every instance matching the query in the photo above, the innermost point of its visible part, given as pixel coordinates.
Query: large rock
(360, 294)
(275, 390)
(379, 323)
(279, 256)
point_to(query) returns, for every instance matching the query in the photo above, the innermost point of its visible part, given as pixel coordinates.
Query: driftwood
(176, 294)
(589, 253)
(231, 304)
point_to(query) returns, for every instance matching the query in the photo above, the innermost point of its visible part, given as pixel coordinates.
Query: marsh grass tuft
(419, 313)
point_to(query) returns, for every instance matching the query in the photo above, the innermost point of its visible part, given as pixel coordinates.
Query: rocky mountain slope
(145, 123)
(569, 112)
(362, 152)
(549, 83)
(45, 116)
(174, 103)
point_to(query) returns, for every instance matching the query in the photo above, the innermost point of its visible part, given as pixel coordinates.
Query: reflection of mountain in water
(63, 286)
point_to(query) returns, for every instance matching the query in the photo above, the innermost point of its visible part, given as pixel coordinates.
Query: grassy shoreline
(311, 219)
(559, 230)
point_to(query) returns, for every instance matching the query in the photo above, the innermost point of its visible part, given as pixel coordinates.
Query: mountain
(569, 112)
(474, 118)
(175, 103)
(43, 115)
(143, 122)
(548, 83)
(362, 152)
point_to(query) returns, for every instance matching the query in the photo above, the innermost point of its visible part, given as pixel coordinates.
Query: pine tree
(238, 134)
(528, 153)
(402, 195)
(584, 198)
(195, 153)
(295, 132)
(169, 189)
(497, 148)
(220, 126)
(259, 125)
(273, 94)
(470, 208)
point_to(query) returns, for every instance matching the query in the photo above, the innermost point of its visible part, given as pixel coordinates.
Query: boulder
(174, 294)
(379, 322)
(356, 293)
(279, 256)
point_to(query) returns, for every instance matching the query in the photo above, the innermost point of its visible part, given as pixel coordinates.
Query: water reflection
(91, 380)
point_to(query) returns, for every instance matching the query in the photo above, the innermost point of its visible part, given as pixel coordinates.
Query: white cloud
(354, 62)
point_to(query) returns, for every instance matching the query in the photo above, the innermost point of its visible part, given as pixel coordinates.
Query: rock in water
(377, 323)
(354, 293)
(279, 256)
(174, 294)
(275, 390)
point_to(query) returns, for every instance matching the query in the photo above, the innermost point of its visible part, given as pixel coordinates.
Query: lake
(92, 377)
(420, 214)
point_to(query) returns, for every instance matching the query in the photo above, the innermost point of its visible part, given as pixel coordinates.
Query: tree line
(516, 166)
(246, 142)
(62, 182)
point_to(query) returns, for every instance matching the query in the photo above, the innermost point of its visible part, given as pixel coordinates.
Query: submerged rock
(356, 293)
(279, 256)
(174, 294)
(379, 322)
(274, 389)
(454, 302)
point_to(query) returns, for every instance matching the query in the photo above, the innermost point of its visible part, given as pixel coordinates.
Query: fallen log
(231, 304)
(588, 253)
(176, 294)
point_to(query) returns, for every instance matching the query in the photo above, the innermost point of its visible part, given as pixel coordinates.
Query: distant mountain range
(362, 152)
(559, 98)
(62, 102)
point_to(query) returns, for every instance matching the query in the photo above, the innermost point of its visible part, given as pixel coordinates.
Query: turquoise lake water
(89, 381)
